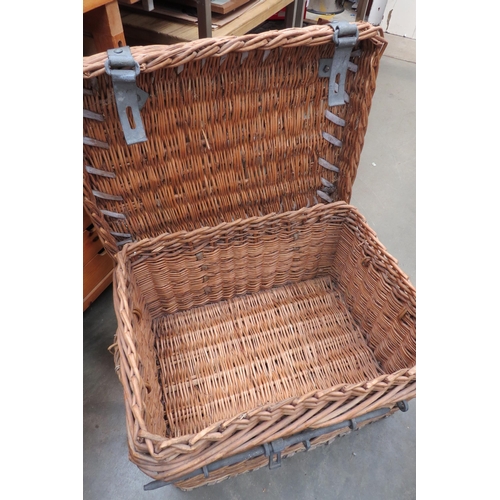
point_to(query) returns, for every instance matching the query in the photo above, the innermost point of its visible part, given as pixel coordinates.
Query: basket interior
(251, 313)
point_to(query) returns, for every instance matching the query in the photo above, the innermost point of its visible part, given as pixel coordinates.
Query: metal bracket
(403, 405)
(274, 448)
(345, 36)
(130, 99)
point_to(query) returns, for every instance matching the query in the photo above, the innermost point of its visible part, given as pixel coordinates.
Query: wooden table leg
(361, 10)
(204, 13)
(105, 25)
(294, 15)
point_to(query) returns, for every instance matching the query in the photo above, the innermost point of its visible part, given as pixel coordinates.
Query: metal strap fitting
(345, 36)
(272, 449)
(129, 99)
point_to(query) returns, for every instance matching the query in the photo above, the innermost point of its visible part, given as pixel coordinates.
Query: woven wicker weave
(237, 133)
(235, 335)
(251, 304)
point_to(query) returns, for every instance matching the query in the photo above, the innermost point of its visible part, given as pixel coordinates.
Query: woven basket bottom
(220, 360)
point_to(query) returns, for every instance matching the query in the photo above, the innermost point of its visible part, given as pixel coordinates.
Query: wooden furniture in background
(156, 27)
(102, 20)
(97, 264)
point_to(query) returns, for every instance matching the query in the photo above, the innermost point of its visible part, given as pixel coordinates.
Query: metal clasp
(130, 99)
(345, 36)
(272, 450)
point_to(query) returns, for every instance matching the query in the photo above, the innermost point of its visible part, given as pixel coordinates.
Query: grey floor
(376, 462)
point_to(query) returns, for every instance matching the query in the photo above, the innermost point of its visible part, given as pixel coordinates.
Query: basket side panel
(257, 463)
(180, 271)
(269, 423)
(136, 359)
(378, 294)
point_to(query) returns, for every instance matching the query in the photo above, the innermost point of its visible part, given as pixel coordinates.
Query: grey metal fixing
(129, 98)
(345, 36)
(274, 448)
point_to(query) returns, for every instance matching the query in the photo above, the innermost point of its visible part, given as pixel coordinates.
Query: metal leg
(148, 5)
(294, 15)
(204, 18)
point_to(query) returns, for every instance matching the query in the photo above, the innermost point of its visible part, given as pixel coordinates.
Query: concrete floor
(376, 462)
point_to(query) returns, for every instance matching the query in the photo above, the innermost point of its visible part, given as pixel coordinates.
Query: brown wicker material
(251, 304)
(232, 336)
(256, 463)
(235, 129)
(288, 340)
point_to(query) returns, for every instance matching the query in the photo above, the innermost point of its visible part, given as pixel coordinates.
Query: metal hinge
(129, 98)
(345, 36)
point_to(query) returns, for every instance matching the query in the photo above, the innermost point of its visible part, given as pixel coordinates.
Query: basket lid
(209, 131)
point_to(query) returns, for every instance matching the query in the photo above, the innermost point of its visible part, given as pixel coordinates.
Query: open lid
(182, 136)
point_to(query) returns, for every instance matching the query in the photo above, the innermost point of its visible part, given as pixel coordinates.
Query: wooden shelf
(147, 28)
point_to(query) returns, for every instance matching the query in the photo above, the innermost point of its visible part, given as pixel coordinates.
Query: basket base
(223, 359)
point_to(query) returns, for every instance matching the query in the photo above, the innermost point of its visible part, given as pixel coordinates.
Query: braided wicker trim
(259, 462)
(153, 57)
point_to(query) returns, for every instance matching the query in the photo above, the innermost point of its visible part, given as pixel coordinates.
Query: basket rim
(153, 57)
(403, 376)
(150, 244)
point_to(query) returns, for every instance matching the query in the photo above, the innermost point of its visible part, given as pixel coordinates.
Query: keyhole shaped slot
(130, 117)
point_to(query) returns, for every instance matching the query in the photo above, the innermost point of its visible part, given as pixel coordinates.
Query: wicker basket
(257, 315)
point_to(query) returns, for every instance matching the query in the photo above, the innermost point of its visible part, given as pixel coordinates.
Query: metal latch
(345, 36)
(129, 98)
(272, 449)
